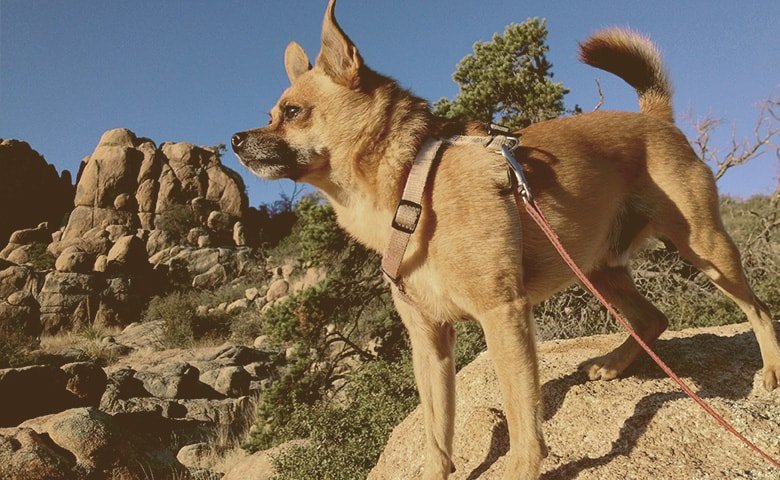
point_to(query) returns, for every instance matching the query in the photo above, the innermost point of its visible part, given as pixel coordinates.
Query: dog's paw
(601, 368)
(771, 377)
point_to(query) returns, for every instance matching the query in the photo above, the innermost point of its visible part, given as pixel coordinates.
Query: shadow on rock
(721, 367)
(499, 445)
(630, 433)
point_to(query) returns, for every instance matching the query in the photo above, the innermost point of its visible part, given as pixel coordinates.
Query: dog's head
(318, 117)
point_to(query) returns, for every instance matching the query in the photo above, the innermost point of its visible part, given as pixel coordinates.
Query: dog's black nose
(238, 140)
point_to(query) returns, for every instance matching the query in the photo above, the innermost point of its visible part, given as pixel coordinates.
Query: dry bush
(87, 340)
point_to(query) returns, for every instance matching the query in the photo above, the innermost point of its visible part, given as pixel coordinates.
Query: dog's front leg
(434, 371)
(509, 332)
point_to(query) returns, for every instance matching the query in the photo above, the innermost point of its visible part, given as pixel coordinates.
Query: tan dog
(606, 180)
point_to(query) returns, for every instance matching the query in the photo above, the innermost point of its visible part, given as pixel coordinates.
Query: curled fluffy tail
(635, 59)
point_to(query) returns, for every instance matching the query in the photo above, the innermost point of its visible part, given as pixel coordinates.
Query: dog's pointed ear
(295, 61)
(339, 57)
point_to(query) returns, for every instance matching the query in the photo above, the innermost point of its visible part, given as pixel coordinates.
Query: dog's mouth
(267, 156)
(265, 170)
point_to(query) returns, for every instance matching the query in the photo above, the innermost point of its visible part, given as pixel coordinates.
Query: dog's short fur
(606, 180)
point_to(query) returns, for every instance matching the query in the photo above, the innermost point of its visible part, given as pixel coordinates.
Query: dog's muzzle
(266, 154)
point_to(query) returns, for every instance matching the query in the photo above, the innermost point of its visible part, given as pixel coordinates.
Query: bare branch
(601, 96)
(765, 134)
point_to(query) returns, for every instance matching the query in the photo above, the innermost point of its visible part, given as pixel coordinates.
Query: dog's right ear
(339, 57)
(295, 61)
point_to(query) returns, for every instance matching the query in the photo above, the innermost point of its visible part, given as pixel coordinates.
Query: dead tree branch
(601, 96)
(765, 137)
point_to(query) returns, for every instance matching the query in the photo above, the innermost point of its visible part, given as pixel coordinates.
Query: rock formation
(31, 190)
(128, 184)
(132, 200)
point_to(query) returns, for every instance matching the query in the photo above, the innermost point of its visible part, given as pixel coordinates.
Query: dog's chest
(367, 224)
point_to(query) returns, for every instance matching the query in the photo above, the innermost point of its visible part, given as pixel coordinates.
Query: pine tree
(507, 80)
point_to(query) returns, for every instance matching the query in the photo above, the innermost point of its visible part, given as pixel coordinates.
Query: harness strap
(408, 213)
(409, 210)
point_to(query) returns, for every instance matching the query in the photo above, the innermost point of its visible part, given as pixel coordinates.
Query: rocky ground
(130, 419)
(638, 427)
(157, 413)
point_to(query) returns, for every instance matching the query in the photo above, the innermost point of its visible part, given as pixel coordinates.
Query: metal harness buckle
(405, 209)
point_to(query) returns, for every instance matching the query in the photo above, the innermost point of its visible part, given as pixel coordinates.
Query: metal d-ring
(522, 183)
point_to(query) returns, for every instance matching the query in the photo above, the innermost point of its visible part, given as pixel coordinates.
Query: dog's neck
(380, 162)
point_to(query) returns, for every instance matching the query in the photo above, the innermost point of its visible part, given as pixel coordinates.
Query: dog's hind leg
(434, 372)
(710, 249)
(689, 216)
(617, 286)
(509, 332)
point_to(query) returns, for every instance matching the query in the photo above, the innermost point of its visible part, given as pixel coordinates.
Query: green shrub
(177, 220)
(183, 326)
(177, 312)
(328, 325)
(346, 439)
(40, 258)
(315, 237)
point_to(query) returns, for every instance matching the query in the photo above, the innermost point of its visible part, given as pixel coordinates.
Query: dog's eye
(270, 118)
(290, 112)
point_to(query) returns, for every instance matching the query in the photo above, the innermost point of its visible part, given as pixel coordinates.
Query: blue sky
(200, 70)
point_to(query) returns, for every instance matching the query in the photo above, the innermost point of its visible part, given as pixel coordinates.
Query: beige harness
(409, 210)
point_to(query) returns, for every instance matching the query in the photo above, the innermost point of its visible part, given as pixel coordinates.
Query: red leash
(541, 220)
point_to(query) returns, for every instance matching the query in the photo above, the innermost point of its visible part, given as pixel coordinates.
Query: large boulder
(25, 175)
(86, 381)
(128, 255)
(640, 426)
(74, 260)
(101, 447)
(28, 455)
(229, 381)
(69, 300)
(148, 335)
(171, 380)
(32, 391)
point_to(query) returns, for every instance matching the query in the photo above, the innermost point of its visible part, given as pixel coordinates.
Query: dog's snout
(238, 140)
